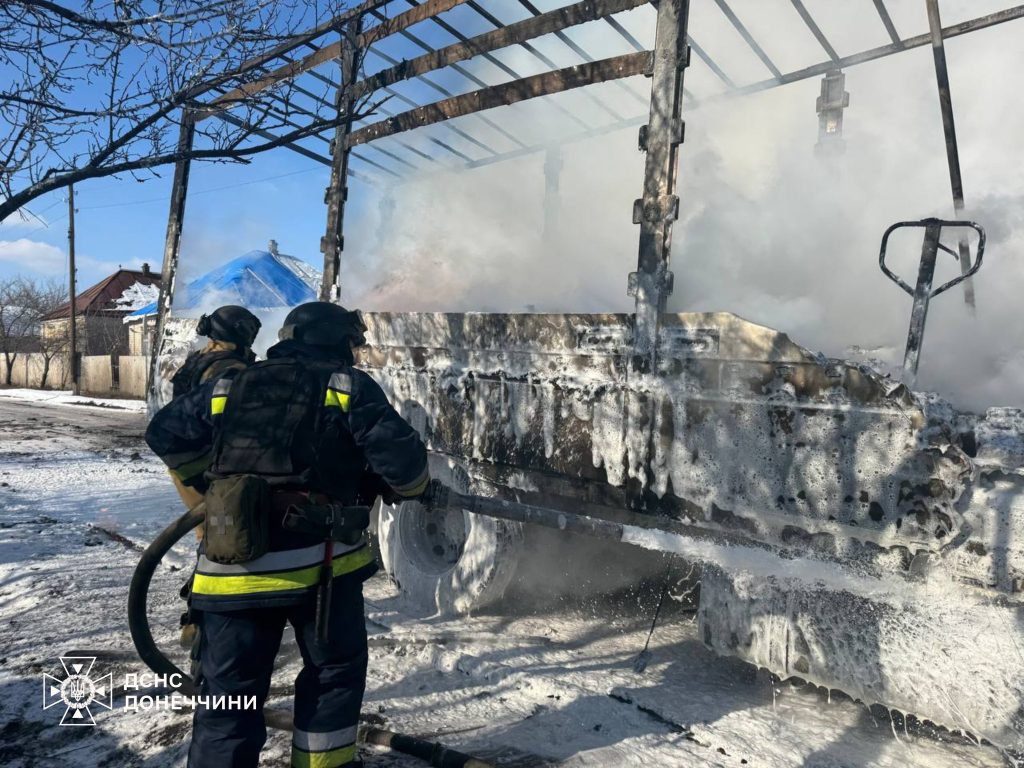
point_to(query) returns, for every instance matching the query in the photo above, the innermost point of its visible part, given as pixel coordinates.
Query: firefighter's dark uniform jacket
(211, 362)
(254, 422)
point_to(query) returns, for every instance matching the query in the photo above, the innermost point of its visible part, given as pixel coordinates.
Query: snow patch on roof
(136, 296)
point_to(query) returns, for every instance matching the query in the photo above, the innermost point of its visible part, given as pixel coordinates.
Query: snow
(62, 397)
(136, 296)
(530, 683)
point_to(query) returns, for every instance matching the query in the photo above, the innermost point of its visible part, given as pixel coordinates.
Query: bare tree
(18, 322)
(103, 88)
(49, 296)
(23, 305)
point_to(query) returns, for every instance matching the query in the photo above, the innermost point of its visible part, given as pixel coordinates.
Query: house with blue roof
(258, 280)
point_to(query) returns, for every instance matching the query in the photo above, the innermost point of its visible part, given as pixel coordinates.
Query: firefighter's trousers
(236, 657)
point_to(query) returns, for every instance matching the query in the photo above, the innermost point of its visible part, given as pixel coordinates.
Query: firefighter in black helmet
(302, 430)
(231, 331)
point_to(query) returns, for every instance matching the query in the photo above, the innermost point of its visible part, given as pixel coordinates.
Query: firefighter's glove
(372, 485)
(436, 497)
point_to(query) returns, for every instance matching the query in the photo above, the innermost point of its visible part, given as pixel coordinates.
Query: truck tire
(447, 563)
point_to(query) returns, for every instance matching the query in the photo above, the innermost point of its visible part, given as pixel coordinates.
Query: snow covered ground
(552, 685)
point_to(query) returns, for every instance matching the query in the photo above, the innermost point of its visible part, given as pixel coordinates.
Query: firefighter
(231, 331)
(303, 429)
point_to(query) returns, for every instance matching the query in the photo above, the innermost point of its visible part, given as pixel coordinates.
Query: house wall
(97, 334)
(140, 335)
(104, 336)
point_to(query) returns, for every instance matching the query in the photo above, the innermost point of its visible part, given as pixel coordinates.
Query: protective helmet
(323, 324)
(236, 325)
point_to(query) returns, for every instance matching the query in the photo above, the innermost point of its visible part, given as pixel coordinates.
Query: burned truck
(850, 531)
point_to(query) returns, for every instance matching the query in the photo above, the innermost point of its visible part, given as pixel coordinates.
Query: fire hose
(438, 497)
(138, 623)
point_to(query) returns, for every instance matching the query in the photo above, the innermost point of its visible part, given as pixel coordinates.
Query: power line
(191, 192)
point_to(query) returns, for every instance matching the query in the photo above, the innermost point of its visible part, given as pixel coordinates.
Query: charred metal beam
(535, 148)
(572, 15)
(172, 244)
(922, 297)
(289, 45)
(583, 54)
(227, 117)
(447, 93)
(507, 93)
(745, 34)
(883, 14)
(420, 12)
(949, 130)
(281, 115)
(656, 211)
(815, 71)
(635, 44)
(703, 56)
(333, 242)
(963, 28)
(815, 29)
(333, 51)
(491, 18)
(400, 97)
(487, 56)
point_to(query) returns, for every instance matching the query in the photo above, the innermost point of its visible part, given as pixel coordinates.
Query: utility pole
(73, 354)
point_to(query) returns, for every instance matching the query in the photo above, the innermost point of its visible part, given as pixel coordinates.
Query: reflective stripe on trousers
(236, 658)
(282, 571)
(311, 749)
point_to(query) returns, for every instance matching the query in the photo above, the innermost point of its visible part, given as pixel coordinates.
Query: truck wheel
(451, 562)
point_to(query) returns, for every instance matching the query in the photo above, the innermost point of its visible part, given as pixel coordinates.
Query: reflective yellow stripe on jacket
(339, 392)
(283, 571)
(219, 398)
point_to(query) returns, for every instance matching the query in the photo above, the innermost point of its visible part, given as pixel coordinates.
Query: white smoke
(769, 229)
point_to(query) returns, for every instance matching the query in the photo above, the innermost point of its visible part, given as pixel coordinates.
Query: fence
(27, 371)
(100, 375)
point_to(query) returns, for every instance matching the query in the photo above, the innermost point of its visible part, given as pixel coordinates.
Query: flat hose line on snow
(138, 624)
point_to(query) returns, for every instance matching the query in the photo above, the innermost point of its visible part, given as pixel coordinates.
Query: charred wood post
(335, 196)
(172, 243)
(655, 212)
(949, 129)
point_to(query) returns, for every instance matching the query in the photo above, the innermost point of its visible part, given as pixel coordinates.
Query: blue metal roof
(257, 280)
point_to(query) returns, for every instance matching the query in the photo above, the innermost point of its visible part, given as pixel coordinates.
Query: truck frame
(852, 532)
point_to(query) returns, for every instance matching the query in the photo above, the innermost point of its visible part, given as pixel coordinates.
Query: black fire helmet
(230, 323)
(323, 324)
